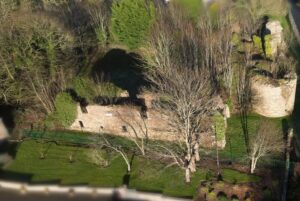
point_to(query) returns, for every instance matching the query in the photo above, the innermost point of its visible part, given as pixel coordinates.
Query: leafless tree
(33, 52)
(267, 140)
(243, 92)
(282, 66)
(136, 128)
(103, 141)
(99, 13)
(177, 75)
(251, 12)
(215, 37)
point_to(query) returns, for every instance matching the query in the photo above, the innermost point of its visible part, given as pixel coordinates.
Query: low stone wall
(273, 98)
(126, 121)
(123, 193)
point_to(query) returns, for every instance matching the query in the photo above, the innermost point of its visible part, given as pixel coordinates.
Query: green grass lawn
(235, 149)
(146, 175)
(235, 146)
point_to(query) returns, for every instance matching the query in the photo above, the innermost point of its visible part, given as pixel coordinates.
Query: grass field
(235, 146)
(146, 175)
(235, 149)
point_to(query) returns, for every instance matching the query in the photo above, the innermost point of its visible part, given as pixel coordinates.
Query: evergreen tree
(131, 21)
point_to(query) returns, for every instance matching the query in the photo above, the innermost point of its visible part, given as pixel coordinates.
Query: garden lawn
(235, 145)
(146, 175)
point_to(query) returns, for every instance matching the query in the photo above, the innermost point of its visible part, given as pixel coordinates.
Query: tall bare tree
(267, 140)
(251, 12)
(243, 92)
(178, 77)
(135, 127)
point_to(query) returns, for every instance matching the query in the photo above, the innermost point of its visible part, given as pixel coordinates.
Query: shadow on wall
(121, 68)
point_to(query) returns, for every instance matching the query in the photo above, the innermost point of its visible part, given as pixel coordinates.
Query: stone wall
(124, 121)
(273, 98)
(127, 121)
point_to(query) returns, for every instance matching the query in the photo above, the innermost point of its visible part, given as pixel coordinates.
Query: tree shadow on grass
(15, 176)
(122, 69)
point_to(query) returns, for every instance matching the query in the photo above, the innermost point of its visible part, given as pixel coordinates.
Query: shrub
(108, 89)
(222, 196)
(268, 47)
(131, 21)
(65, 111)
(212, 195)
(84, 87)
(257, 43)
(219, 126)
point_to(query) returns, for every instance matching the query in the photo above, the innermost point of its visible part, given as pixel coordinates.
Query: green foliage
(131, 21)
(108, 89)
(101, 35)
(65, 111)
(259, 46)
(235, 147)
(191, 7)
(214, 9)
(257, 43)
(237, 42)
(233, 176)
(222, 198)
(219, 126)
(41, 51)
(268, 48)
(212, 195)
(84, 87)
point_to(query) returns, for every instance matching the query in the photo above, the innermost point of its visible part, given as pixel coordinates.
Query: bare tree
(243, 92)
(103, 141)
(33, 52)
(99, 13)
(267, 140)
(176, 73)
(251, 12)
(135, 127)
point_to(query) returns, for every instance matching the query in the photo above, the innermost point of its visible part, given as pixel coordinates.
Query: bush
(257, 44)
(131, 21)
(222, 196)
(108, 89)
(268, 47)
(219, 126)
(84, 87)
(65, 111)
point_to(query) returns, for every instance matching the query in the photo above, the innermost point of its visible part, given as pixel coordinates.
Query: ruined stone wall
(273, 98)
(114, 119)
(126, 121)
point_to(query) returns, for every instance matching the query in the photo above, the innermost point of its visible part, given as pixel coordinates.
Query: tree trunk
(197, 155)
(192, 164)
(287, 165)
(187, 175)
(253, 165)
